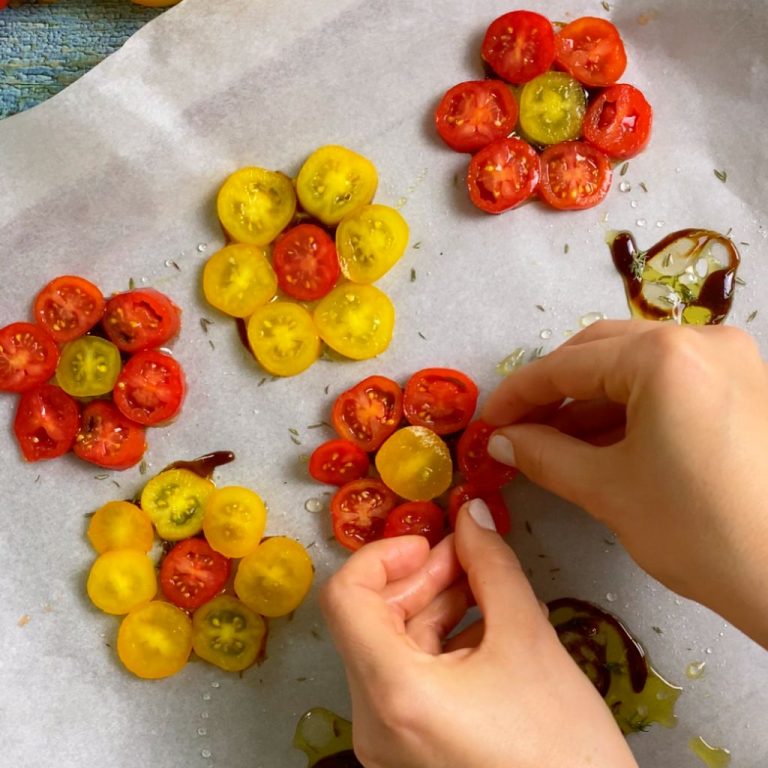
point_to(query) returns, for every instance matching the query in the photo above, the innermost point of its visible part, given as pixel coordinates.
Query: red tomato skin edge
(62, 337)
(467, 146)
(590, 132)
(155, 297)
(52, 352)
(562, 51)
(358, 458)
(26, 401)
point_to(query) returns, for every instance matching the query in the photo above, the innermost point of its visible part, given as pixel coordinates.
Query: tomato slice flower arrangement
(574, 175)
(519, 45)
(192, 573)
(46, 422)
(28, 356)
(475, 113)
(502, 175)
(68, 307)
(368, 413)
(592, 51)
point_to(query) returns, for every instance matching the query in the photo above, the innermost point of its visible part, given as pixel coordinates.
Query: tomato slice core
(338, 461)
(46, 422)
(192, 573)
(440, 398)
(68, 306)
(305, 261)
(574, 175)
(592, 51)
(107, 438)
(416, 518)
(618, 122)
(359, 511)
(140, 319)
(28, 356)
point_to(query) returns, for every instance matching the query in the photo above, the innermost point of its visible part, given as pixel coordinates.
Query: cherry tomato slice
(155, 640)
(415, 463)
(46, 422)
(356, 321)
(140, 319)
(591, 50)
(359, 510)
(519, 46)
(305, 261)
(416, 518)
(254, 205)
(88, 366)
(175, 502)
(121, 580)
(552, 108)
(461, 494)
(440, 398)
(618, 121)
(574, 176)
(107, 438)
(475, 463)
(338, 461)
(68, 307)
(234, 520)
(150, 388)
(368, 413)
(502, 175)
(28, 356)
(228, 634)
(475, 113)
(192, 573)
(120, 525)
(334, 181)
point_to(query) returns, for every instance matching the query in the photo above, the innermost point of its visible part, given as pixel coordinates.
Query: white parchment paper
(116, 176)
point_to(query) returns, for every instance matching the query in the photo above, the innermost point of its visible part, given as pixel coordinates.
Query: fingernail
(501, 449)
(479, 512)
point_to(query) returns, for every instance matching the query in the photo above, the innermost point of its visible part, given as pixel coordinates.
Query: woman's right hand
(661, 433)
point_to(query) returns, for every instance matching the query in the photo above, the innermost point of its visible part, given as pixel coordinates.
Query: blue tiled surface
(45, 47)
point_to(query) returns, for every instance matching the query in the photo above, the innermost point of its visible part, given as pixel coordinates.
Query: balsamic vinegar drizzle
(204, 466)
(688, 277)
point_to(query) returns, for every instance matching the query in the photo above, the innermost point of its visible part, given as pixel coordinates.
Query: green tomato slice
(552, 108)
(174, 501)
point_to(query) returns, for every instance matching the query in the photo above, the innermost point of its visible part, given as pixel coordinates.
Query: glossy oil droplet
(611, 597)
(512, 361)
(625, 186)
(201, 247)
(546, 334)
(712, 757)
(206, 697)
(641, 222)
(659, 224)
(313, 505)
(206, 753)
(591, 317)
(695, 670)
(633, 204)
(202, 731)
(215, 684)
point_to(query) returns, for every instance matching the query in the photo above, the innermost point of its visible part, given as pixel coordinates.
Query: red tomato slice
(140, 319)
(574, 176)
(359, 510)
(475, 463)
(618, 121)
(417, 518)
(338, 461)
(465, 492)
(46, 422)
(305, 261)
(519, 46)
(150, 388)
(475, 113)
(503, 174)
(107, 438)
(192, 573)
(28, 356)
(68, 307)
(368, 413)
(591, 50)
(440, 398)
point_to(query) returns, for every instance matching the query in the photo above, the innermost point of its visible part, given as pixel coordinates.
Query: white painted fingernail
(501, 449)
(480, 513)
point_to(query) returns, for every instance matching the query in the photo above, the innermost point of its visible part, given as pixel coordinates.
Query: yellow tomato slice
(254, 205)
(227, 633)
(120, 580)
(88, 366)
(275, 578)
(283, 338)
(238, 279)
(174, 501)
(552, 108)
(334, 181)
(370, 242)
(356, 320)
(415, 463)
(155, 640)
(120, 525)
(234, 520)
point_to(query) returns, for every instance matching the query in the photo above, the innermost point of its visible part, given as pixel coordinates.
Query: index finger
(588, 371)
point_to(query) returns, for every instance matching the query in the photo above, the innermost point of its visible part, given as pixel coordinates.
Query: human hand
(665, 442)
(502, 692)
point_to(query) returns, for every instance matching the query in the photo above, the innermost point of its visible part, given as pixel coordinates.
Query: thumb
(495, 576)
(557, 462)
